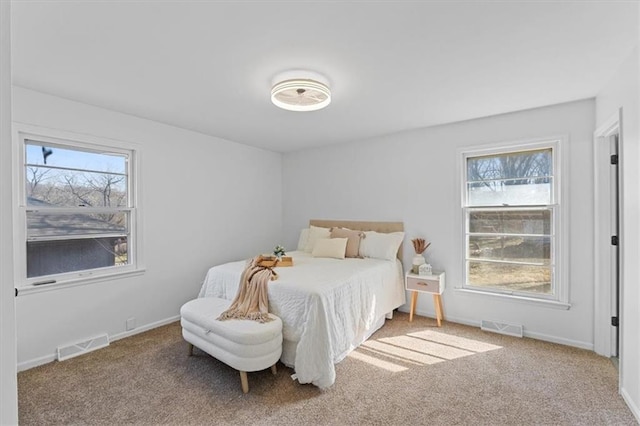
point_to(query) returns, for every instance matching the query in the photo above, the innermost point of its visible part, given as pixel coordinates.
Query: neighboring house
(46, 257)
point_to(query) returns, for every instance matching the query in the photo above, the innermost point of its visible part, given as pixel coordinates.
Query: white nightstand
(433, 284)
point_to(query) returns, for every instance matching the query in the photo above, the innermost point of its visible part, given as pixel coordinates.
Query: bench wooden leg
(273, 369)
(190, 349)
(245, 381)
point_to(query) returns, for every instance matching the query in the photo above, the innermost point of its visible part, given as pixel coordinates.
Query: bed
(328, 306)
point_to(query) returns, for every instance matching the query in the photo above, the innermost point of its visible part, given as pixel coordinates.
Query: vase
(418, 260)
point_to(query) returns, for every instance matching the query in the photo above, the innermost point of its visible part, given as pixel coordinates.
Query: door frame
(8, 378)
(603, 288)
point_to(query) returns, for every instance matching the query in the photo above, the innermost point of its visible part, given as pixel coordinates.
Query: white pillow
(381, 246)
(330, 247)
(316, 233)
(304, 237)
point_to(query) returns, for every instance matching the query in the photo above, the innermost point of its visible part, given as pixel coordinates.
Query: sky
(72, 158)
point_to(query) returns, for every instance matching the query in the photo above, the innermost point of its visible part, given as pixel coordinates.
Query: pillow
(315, 233)
(304, 237)
(381, 246)
(353, 243)
(330, 247)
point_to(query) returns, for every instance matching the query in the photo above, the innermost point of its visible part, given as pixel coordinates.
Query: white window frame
(24, 132)
(560, 280)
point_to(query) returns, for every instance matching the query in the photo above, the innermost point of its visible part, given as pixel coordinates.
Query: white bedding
(327, 306)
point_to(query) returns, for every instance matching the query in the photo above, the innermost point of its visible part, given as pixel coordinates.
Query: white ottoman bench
(242, 344)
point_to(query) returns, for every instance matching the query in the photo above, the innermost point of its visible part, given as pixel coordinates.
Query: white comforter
(327, 306)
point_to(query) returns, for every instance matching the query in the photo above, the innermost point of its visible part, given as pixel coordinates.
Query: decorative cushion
(353, 243)
(381, 246)
(316, 233)
(330, 247)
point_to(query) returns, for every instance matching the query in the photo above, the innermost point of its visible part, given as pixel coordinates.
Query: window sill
(27, 289)
(523, 299)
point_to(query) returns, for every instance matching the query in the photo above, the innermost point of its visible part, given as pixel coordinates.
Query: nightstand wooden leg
(437, 304)
(440, 306)
(414, 299)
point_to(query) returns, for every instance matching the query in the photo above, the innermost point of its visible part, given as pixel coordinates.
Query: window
(511, 221)
(78, 210)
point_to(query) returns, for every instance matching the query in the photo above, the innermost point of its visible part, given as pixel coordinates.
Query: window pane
(523, 178)
(56, 257)
(42, 224)
(70, 188)
(510, 277)
(524, 166)
(511, 222)
(39, 153)
(510, 192)
(511, 248)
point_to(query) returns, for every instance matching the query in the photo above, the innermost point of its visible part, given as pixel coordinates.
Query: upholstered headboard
(385, 227)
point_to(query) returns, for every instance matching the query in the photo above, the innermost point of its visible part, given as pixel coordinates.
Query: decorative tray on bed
(272, 262)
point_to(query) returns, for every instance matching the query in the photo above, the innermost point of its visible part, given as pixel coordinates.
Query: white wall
(202, 205)
(8, 386)
(412, 177)
(622, 92)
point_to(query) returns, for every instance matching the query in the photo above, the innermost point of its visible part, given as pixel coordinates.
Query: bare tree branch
(36, 175)
(76, 190)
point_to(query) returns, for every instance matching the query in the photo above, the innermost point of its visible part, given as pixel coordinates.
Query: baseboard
(560, 340)
(530, 334)
(632, 406)
(26, 365)
(144, 328)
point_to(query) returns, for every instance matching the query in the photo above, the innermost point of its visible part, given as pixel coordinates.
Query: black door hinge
(614, 321)
(614, 159)
(614, 240)
(16, 292)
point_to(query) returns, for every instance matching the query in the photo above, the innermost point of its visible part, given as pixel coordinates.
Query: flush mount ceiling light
(300, 91)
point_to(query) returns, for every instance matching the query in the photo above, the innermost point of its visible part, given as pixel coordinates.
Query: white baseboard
(144, 328)
(534, 335)
(632, 406)
(560, 340)
(26, 365)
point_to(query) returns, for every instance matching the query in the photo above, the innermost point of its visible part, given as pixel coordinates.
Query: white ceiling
(392, 66)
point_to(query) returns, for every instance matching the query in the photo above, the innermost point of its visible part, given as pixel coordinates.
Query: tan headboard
(385, 227)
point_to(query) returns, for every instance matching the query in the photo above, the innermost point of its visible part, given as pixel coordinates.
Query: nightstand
(433, 284)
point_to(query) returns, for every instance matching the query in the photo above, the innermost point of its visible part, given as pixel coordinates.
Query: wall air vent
(502, 328)
(79, 348)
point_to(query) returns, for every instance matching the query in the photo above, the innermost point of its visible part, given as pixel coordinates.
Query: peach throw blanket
(252, 300)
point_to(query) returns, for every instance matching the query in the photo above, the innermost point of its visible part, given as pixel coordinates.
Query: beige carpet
(407, 373)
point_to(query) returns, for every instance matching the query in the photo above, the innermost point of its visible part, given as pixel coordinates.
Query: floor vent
(79, 348)
(502, 328)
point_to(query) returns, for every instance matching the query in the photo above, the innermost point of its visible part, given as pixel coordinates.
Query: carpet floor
(406, 373)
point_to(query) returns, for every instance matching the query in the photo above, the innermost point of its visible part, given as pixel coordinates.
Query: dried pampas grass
(420, 245)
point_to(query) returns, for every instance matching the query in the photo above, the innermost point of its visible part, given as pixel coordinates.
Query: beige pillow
(353, 243)
(315, 233)
(330, 247)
